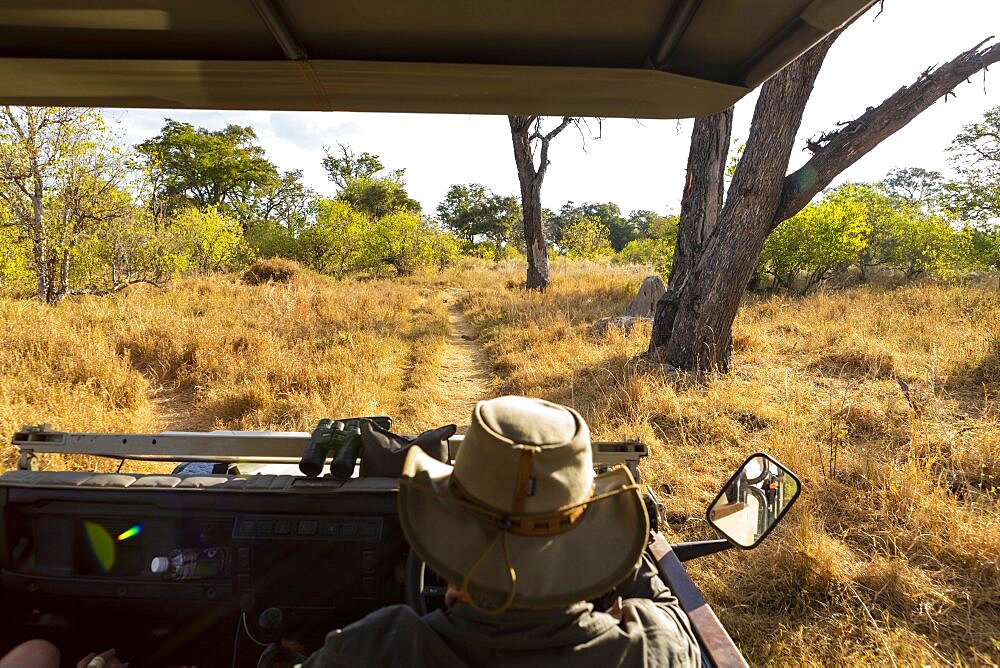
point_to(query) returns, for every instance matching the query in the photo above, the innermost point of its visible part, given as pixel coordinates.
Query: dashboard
(169, 568)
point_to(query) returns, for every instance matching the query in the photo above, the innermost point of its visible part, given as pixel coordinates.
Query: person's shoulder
(391, 636)
(664, 628)
(389, 616)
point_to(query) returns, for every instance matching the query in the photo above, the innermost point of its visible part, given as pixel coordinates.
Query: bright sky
(640, 164)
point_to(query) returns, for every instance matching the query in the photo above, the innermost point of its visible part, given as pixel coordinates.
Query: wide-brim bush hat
(521, 520)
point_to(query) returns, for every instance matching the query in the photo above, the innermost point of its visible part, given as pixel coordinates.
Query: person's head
(521, 520)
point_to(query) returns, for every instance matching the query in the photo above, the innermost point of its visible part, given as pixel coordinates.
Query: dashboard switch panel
(355, 529)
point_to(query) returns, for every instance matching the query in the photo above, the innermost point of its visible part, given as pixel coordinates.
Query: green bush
(15, 262)
(338, 242)
(206, 241)
(587, 239)
(405, 242)
(929, 244)
(657, 252)
(817, 241)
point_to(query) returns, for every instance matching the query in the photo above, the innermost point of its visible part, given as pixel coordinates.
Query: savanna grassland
(883, 400)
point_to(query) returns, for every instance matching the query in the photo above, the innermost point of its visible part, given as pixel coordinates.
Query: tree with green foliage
(985, 249)
(975, 152)
(346, 167)
(656, 252)
(15, 255)
(916, 185)
(280, 201)
(656, 242)
(337, 243)
(60, 176)
(379, 196)
(930, 245)
(225, 169)
(206, 241)
(360, 185)
(478, 216)
(817, 241)
(886, 214)
(406, 242)
(651, 225)
(127, 250)
(620, 229)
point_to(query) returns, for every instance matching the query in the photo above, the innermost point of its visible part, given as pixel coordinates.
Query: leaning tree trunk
(693, 328)
(721, 244)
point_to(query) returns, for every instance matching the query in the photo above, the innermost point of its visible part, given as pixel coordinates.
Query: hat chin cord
(470, 599)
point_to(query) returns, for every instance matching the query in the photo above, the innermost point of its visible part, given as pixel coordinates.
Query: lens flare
(101, 544)
(133, 530)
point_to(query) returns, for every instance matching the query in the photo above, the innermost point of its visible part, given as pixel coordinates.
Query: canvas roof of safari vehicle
(638, 58)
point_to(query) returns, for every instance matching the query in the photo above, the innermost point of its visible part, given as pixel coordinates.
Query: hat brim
(588, 560)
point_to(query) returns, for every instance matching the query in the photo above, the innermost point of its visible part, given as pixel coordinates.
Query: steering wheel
(423, 589)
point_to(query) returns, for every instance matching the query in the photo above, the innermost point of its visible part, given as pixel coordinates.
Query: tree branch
(113, 289)
(543, 153)
(549, 136)
(836, 151)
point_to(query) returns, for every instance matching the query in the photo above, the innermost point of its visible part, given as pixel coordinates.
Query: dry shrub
(271, 270)
(855, 363)
(986, 370)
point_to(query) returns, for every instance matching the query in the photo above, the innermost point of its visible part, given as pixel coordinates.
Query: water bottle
(190, 564)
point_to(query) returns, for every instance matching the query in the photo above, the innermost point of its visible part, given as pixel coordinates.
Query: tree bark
(39, 241)
(693, 328)
(721, 243)
(701, 204)
(524, 131)
(531, 203)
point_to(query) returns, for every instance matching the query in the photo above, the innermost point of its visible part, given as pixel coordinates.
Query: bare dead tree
(530, 142)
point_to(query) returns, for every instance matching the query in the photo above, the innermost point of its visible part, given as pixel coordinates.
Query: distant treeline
(80, 212)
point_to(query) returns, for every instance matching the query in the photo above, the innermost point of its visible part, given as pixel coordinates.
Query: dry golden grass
(892, 555)
(216, 353)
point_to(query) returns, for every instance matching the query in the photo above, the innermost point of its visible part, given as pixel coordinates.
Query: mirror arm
(699, 548)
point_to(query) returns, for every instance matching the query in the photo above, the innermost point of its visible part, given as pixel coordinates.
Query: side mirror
(753, 501)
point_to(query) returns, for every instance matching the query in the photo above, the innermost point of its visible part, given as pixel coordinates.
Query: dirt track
(465, 377)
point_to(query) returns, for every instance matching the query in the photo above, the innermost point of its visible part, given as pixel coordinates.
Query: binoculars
(339, 438)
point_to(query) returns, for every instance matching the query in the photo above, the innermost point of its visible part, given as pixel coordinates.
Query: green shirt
(650, 630)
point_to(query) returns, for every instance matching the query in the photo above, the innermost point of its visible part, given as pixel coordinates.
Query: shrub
(817, 241)
(586, 238)
(406, 242)
(269, 238)
(271, 270)
(207, 241)
(928, 244)
(657, 252)
(338, 241)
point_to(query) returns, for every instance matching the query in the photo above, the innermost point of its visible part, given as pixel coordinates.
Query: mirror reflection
(753, 501)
